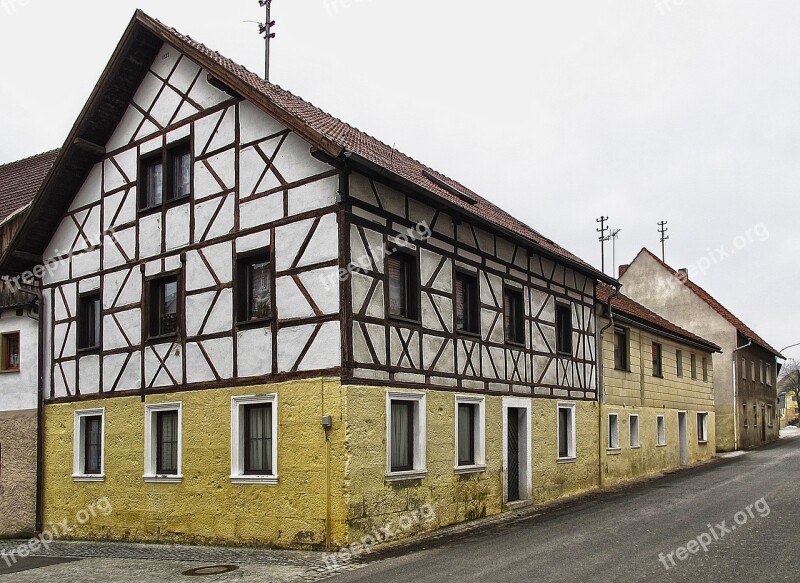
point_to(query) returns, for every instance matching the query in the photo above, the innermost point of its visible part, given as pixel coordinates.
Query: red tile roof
(364, 145)
(743, 328)
(625, 305)
(20, 181)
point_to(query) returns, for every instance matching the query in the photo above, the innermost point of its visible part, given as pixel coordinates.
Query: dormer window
(165, 176)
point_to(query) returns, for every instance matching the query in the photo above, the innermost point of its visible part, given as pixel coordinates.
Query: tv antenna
(603, 238)
(265, 28)
(662, 228)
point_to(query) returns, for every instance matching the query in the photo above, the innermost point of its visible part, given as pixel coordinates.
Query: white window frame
(572, 449)
(79, 449)
(770, 415)
(613, 436)
(702, 422)
(480, 434)
(150, 430)
(237, 439)
(420, 435)
(661, 431)
(637, 442)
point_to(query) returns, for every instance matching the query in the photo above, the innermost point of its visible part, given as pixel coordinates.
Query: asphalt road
(628, 535)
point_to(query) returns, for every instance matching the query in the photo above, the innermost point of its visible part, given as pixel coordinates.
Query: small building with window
(656, 391)
(745, 383)
(263, 326)
(19, 359)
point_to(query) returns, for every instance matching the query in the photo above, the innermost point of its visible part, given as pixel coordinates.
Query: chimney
(623, 269)
(683, 273)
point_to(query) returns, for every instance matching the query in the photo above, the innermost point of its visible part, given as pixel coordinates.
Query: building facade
(656, 396)
(746, 371)
(263, 326)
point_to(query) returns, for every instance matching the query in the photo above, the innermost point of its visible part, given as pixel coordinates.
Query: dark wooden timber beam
(87, 146)
(214, 82)
(27, 257)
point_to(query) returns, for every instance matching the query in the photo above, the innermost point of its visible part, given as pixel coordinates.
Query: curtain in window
(168, 442)
(181, 175)
(154, 180)
(169, 314)
(260, 296)
(461, 305)
(93, 445)
(396, 292)
(402, 431)
(259, 439)
(466, 435)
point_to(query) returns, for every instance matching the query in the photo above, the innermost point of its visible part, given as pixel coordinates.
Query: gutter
(601, 386)
(736, 395)
(372, 168)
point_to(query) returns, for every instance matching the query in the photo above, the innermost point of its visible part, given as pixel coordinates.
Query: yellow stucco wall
(205, 507)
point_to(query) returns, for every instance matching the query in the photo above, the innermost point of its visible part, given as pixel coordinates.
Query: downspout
(735, 397)
(601, 388)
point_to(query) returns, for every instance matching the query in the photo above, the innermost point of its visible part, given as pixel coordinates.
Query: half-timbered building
(265, 326)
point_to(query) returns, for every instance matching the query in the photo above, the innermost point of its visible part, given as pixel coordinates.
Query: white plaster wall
(18, 391)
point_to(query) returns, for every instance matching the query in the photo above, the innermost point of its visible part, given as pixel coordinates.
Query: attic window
(165, 176)
(451, 189)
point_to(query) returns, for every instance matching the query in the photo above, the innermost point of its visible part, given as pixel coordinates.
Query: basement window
(406, 429)
(254, 439)
(88, 460)
(468, 304)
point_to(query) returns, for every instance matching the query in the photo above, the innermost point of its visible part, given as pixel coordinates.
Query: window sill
(614, 451)
(265, 480)
(177, 479)
(87, 350)
(702, 442)
(10, 371)
(661, 445)
(636, 447)
(410, 475)
(162, 339)
(475, 469)
(515, 344)
(88, 478)
(564, 353)
(260, 323)
(621, 369)
(404, 320)
(567, 460)
(469, 334)
(167, 204)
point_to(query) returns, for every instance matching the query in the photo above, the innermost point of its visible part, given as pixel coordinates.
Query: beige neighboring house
(19, 362)
(745, 374)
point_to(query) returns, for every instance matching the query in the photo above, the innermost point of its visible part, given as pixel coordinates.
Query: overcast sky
(560, 112)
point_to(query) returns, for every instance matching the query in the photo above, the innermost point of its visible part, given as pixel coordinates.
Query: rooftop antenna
(603, 238)
(662, 228)
(614, 236)
(265, 28)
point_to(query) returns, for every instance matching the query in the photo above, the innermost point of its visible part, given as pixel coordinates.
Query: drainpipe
(735, 397)
(601, 387)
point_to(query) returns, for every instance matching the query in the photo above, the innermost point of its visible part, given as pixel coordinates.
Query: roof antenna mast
(603, 239)
(662, 228)
(265, 28)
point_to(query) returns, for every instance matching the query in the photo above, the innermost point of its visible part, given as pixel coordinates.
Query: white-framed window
(769, 374)
(470, 432)
(163, 442)
(613, 431)
(702, 427)
(661, 430)
(254, 439)
(88, 460)
(633, 422)
(406, 435)
(770, 415)
(567, 450)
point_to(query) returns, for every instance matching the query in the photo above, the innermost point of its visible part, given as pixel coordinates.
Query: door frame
(683, 438)
(525, 448)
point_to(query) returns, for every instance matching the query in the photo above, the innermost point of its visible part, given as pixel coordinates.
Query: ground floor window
(633, 422)
(88, 459)
(702, 427)
(162, 442)
(661, 429)
(613, 431)
(470, 433)
(254, 439)
(405, 433)
(566, 431)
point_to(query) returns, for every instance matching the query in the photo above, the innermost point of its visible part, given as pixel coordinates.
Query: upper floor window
(564, 329)
(705, 369)
(514, 306)
(753, 370)
(679, 362)
(163, 307)
(694, 366)
(744, 369)
(621, 348)
(10, 352)
(254, 289)
(658, 360)
(166, 175)
(403, 287)
(468, 303)
(89, 321)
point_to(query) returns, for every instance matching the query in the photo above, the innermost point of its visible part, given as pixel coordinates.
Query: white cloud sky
(642, 110)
